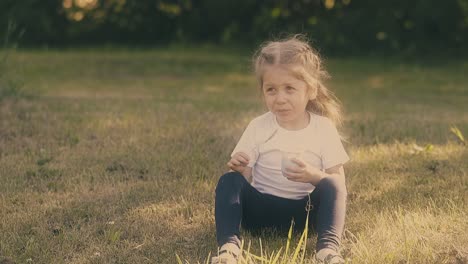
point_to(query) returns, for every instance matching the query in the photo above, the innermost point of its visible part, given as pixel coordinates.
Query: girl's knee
(230, 180)
(333, 183)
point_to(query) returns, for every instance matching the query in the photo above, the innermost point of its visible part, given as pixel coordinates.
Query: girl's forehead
(280, 73)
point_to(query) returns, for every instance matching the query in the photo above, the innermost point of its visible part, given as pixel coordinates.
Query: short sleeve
(333, 152)
(247, 144)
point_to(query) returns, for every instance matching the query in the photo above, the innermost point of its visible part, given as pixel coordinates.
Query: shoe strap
(228, 252)
(330, 258)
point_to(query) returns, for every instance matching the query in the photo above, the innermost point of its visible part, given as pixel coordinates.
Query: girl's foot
(228, 254)
(329, 256)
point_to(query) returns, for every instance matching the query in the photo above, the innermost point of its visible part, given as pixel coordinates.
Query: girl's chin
(283, 118)
(283, 114)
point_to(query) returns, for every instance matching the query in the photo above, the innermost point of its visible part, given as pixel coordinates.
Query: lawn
(112, 156)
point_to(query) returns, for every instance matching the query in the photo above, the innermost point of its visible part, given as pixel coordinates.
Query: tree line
(336, 25)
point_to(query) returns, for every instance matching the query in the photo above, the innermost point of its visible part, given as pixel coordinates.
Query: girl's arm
(247, 174)
(337, 171)
(239, 162)
(307, 173)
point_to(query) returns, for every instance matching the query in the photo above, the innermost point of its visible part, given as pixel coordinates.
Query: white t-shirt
(264, 140)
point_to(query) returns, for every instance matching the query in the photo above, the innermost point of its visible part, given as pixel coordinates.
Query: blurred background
(337, 26)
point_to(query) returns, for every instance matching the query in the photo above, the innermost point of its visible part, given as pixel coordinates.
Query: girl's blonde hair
(305, 63)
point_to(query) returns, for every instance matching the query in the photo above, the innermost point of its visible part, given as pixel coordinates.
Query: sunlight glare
(67, 4)
(88, 4)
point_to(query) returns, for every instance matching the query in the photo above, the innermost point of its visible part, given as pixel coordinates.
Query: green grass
(115, 157)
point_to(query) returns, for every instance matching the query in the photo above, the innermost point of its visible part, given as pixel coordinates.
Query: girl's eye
(270, 89)
(290, 88)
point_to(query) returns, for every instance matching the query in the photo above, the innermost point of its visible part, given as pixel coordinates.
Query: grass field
(113, 156)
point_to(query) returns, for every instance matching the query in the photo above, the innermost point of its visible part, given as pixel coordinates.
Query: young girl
(285, 156)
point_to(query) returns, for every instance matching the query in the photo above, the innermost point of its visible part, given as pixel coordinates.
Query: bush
(10, 83)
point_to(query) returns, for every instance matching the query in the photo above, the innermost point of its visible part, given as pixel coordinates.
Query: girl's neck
(297, 124)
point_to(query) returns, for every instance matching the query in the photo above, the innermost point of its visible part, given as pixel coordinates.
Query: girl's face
(285, 95)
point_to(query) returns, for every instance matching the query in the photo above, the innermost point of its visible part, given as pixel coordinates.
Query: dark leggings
(237, 202)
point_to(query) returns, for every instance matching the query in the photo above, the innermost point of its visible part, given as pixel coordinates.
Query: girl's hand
(303, 172)
(239, 162)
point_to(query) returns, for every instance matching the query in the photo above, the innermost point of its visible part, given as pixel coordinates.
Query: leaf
(298, 248)
(458, 134)
(179, 261)
(208, 258)
(288, 241)
(277, 256)
(428, 148)
(416, 149)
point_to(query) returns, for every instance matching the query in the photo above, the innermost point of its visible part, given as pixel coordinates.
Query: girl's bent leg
(228, 207)
(329, 199)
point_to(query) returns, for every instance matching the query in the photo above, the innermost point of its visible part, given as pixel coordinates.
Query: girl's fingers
(235, 162)
(240, 160)
(295, 170)
(294, 176)
(244, 157)
(232, 166)
(298, 162)
(291, 177)
(289, 174)
(243, 160)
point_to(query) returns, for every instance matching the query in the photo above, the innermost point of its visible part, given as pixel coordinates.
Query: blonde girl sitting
(286, 156)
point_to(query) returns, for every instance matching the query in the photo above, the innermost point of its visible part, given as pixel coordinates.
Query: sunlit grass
(117, 157)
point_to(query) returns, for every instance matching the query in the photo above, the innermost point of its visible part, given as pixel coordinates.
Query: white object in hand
(286, 160)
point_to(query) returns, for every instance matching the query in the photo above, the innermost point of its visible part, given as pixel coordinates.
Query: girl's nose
(280, 98)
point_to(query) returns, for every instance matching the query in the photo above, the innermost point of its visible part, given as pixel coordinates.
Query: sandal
(333, 259)
(224, 257)
(330, 257)
(227, 254)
